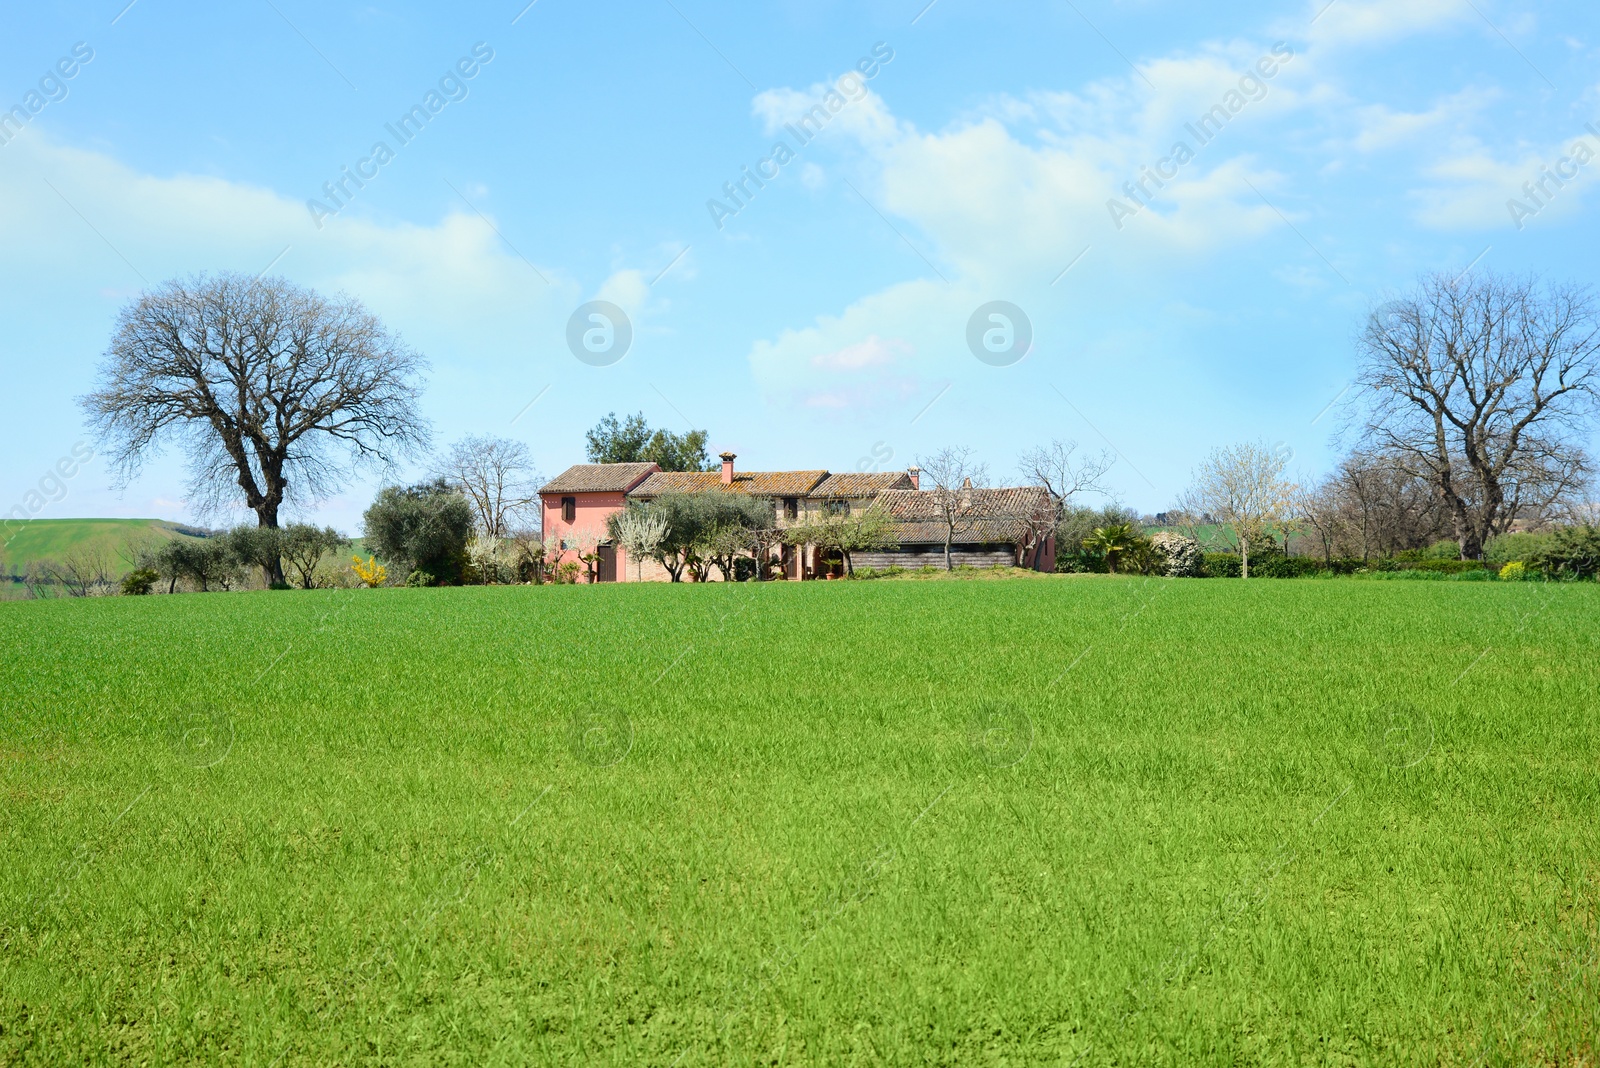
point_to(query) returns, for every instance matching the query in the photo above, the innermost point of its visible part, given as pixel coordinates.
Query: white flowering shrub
(1183, 554)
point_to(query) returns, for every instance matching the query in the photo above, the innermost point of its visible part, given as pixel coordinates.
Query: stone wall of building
(925, 557)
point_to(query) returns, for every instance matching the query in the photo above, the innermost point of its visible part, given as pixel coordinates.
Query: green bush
(1520, 546)
(419, 579)
(139, 581)
(1447, 567)
(1276, 566)
(1426, 574)
(1573, 553)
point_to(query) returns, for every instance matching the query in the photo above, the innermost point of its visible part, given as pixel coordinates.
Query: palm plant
(1112, 542)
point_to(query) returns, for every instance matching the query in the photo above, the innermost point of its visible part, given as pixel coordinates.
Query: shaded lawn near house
(426, 839)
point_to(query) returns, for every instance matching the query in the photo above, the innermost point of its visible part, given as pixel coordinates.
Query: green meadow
(1075, 821)
(51, 539)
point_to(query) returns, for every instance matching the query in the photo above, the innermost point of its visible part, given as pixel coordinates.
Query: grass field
(51, 539)
(1089, 820)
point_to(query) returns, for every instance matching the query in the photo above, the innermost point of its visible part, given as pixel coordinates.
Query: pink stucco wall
(590, 515)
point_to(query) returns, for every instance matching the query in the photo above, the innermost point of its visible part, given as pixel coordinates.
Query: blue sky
(824, 323)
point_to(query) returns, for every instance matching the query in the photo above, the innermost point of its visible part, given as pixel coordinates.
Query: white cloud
(1475, 190)
(873, 352)
(1379, 22)
(627, 289)
(842, 362)
(1381, 127)
(71, 207)
(1005, 198)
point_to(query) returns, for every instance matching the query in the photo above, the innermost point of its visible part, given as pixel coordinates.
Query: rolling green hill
(52, 539)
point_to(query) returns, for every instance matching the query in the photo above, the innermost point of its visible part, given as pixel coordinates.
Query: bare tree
(954, 474)
(1244, 488)
(1484, 388)
(1318, 506)
(267, 387)
(497, 477)
(1583, 510)
(1062, 475)
(82, 572)
(1372, 504)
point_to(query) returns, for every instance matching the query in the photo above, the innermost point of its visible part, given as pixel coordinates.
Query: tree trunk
(948, 566)
(267, 516)
(1244, 557)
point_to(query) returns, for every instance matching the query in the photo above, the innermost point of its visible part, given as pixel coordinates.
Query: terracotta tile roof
(762, 483)
(978, 532)
(597, 478)
(1023, 502)
(868, 484)
(998, 516)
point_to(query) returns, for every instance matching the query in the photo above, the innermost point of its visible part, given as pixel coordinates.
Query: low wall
(922, 557)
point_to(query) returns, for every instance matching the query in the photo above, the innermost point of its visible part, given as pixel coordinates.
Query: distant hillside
(52, 539)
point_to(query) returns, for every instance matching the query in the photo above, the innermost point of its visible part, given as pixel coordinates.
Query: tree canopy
(422, 528)
(633, 441)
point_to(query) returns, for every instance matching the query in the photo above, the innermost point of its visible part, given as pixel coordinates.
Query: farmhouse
(1011, 527)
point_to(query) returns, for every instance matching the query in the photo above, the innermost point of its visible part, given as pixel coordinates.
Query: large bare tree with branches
(272, 391)
(498, 479)
(1484, 387)
(1063, 474)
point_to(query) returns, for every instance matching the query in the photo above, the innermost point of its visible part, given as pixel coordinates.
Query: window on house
(791, 507)
(569, 509)
(837, 508)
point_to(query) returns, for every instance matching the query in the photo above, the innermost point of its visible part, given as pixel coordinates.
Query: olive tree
(422, 528)
(305, 546)
(638, 529)
(867, 529)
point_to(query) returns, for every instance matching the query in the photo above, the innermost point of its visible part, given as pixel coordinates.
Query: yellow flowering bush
(1515, 571)
(371, 572)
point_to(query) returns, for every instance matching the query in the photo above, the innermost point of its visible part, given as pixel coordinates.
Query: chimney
(727, 468)
(916, 477)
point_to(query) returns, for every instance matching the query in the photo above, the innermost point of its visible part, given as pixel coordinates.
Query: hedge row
(1227, 565)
